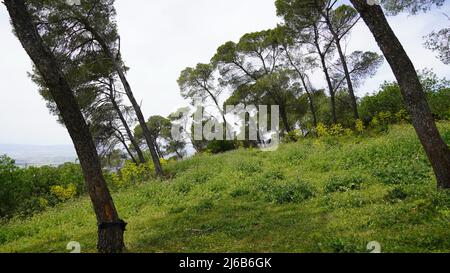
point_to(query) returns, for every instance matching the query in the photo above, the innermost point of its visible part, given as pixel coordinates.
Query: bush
(64, 193)
(334, 130)
(440, 103)
(388, 99)
(26, 191)
(292, 137)
(131, 174)
(220, 146)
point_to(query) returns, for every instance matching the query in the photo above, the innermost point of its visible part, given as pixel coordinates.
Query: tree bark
(130, 95)
(111, 228)
(412, 91)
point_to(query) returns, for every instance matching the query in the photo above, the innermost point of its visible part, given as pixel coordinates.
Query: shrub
(130, 174)
(220, 146)
(292, 137)
(359, 126)
(64, 193)
(388, 99)
(322, 130)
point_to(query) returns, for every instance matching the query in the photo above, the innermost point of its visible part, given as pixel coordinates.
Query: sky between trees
(160, 38)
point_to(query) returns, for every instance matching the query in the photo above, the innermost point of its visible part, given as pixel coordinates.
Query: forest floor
(318, 195)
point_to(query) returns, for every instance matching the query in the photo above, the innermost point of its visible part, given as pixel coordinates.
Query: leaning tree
(111, 228)
(412, 91)
(72, 28)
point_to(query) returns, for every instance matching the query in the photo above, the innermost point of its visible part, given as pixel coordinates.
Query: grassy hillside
(318, 195)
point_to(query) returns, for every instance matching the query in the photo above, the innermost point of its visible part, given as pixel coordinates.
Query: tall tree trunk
(111, 228)
(351, 90)
(327, 74)
(305, 86)
(312, 107)
(141, 119)
(330, 88)
(216, 102)
(412, 91)
(126, 85)
(284, 117)
(128, 130)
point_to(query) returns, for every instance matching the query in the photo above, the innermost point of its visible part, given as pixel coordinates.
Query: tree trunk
(351, 90)
(130, 95)
(327, 74)
(330, 87)
(228, 136)
(412, 91)
(111, 228)
(284, 118)
(140, 116)
(305, 86)
(343, 59)
(128, 130)
(312, 107)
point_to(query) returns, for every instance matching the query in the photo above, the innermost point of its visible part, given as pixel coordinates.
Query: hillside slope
(318, 195)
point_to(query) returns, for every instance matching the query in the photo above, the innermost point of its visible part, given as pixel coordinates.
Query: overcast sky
(162, 37)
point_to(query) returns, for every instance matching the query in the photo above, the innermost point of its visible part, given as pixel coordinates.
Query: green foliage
(440, 103)
(379, 188)
(387, 106)
(282, 192)
(130, 175)
(334, 130)
(292, 137)
(388, 99)
(220, 146)
(62, 193)
(345, 183)
(397, 194)
(30, 190)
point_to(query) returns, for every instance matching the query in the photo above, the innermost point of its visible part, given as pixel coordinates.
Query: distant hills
(39, 155)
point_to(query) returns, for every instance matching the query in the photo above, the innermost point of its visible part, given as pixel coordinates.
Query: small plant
(336, 130)
(402, 116)
(274, 175)
(204, 205)
(396, 195)
(287, 192)
(359, 126)
(343, 184)
(322, 130)
(292, 137)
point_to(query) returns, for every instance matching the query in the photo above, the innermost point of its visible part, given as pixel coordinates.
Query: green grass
(318, 195)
